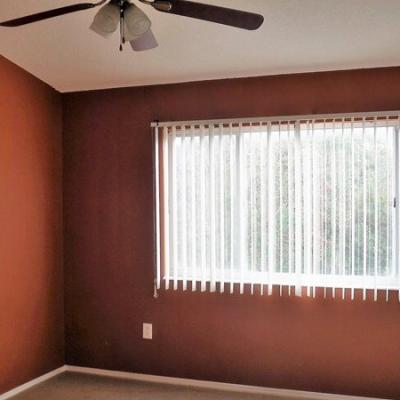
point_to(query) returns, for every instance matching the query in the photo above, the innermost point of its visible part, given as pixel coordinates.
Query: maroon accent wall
(31, 269)
(310, 344)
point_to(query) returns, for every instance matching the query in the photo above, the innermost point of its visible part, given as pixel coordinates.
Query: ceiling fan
(135, 25)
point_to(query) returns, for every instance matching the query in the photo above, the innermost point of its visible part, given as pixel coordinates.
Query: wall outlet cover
(147, 331)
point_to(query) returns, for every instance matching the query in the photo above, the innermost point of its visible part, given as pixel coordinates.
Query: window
(301, 204)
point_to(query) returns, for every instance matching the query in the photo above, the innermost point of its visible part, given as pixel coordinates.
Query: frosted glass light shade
(106, 20)
(145, 42)
(136, 23)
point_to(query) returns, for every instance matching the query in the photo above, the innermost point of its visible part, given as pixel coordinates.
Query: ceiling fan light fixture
(136, 22)
(145, 42)
(106, 21)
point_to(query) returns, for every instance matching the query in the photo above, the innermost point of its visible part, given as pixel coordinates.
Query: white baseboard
(231, 387)
(32, 383)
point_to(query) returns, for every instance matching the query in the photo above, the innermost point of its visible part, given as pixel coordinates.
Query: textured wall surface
(31, 269)
(310, 344)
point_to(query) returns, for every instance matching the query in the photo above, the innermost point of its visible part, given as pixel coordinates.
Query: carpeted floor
(73, 386)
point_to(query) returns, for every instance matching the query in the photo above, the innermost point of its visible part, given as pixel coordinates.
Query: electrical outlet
(147, 331)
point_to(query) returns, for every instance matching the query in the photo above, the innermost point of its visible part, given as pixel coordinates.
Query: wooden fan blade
(211, 13)
(29, 19)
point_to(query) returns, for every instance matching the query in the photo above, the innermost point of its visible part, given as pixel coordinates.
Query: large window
(279, 203)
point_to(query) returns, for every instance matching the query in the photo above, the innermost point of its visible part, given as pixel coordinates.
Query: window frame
(276, 278)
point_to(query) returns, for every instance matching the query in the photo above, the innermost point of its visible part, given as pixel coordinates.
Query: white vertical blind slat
(396, 192)
(242, 206)
(353, 210)
(173, 207)
(307, 207)
(253, 204)
(316, 201)
(222, 243)
(211, 206)
(252, 208)
(325, 203)
(389, 200)
(233, 205)
(203, 222)
(364, 186)
(263, 223)
(280, 208)
(343, 207)
(298, 209)
(166, 209)
(290, 201)
(193, 224)
(271, 205)
(184, 211)
(376, 210)
(333, 206)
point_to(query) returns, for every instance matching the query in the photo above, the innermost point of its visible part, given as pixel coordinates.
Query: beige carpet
(73, 386)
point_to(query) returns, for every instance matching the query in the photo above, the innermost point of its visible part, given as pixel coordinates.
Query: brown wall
(319, 345)
(31, 270)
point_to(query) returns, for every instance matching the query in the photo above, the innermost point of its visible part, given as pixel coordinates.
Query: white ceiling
(297, 36)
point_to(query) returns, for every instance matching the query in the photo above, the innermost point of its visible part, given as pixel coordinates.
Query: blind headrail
(380, 115)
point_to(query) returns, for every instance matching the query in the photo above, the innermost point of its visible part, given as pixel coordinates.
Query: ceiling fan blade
(211, 13)
(146, 42)
(29, 19)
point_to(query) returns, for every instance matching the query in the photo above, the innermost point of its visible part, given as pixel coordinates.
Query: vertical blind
(279, 205)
